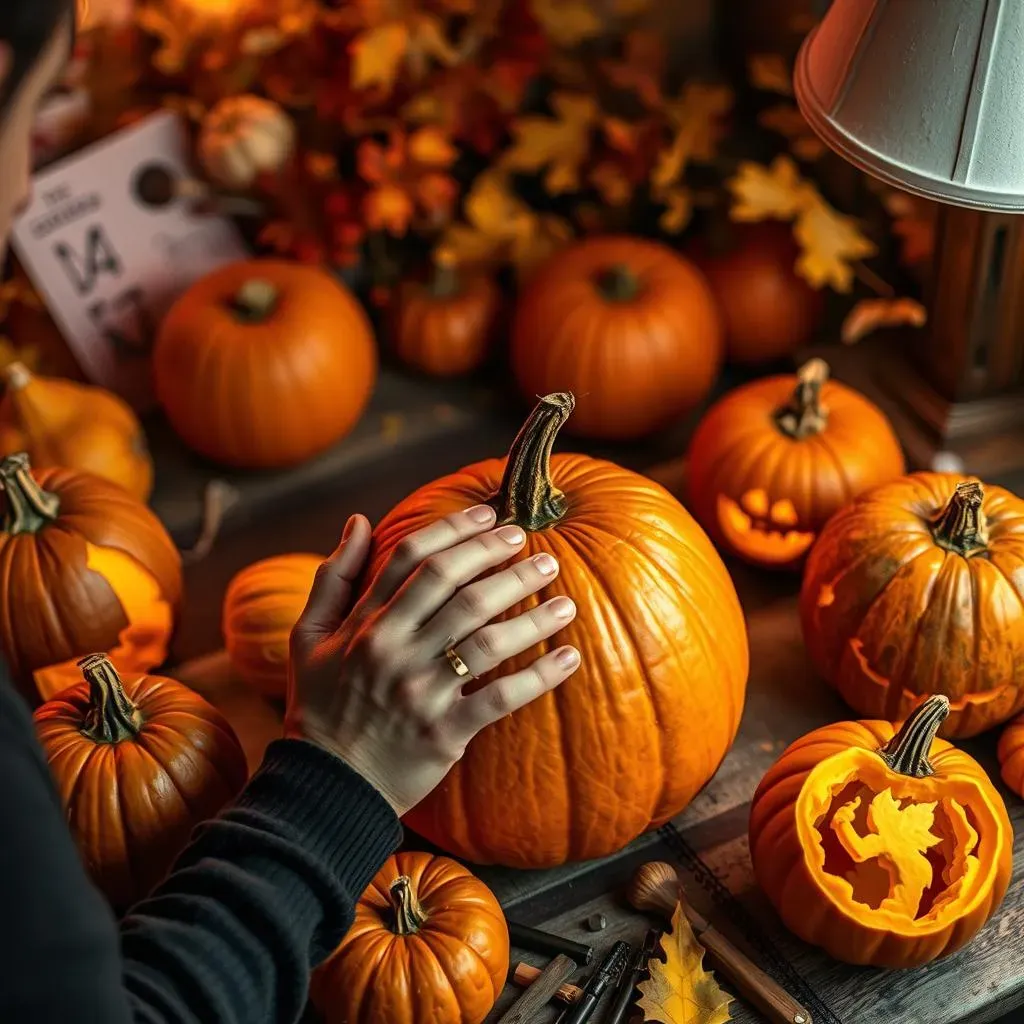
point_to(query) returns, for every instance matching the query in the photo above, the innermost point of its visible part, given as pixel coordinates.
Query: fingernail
(512, 535)
(567, 657)
(348, 528)
(480, 513)
(545, 564)
(562, 608)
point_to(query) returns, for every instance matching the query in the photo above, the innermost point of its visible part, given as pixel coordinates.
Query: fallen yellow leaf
(694, 116)
(680, 991)
(870, 315)
(566, 22)
(767, 193)
(377, 54)
(770, 73)
(830, 242)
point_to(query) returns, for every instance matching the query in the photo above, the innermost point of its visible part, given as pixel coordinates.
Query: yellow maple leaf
(694, 116)
(870, 315)
(560, 143)
(777, 192)
(380, 51)
(830, 241)
(566, 22)
(769, 72)
(680, 991)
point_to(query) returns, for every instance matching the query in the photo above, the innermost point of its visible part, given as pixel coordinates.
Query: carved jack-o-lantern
(771, 462)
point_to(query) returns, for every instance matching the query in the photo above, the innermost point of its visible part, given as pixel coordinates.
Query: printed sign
(110, 252)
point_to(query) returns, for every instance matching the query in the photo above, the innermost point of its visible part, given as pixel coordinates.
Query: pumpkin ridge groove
(420, 945)
(43, 552)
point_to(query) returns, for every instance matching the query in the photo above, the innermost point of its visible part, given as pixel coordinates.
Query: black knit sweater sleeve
(264, 892)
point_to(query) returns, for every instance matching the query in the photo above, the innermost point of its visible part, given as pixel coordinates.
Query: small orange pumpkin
(429, 945)
(915, 588)
(264, 364)
(262, 604)
(884, 847)
(139, 762)
(628, 325)
(1011, 755)
(773, 460)
(444, 328)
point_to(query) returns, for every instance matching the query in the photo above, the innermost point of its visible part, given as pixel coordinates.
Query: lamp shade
(927, 95)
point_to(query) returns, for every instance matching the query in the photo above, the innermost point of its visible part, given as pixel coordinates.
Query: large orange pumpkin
(629, 740)
(771, 461)
(884, 847)
(429, 945)
(138, 762)
(917, 587)
(264, 364)
(262, 604)
(626, 324)
(85, 567)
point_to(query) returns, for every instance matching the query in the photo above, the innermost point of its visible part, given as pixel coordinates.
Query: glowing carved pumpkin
(882, 847)
(771, 462)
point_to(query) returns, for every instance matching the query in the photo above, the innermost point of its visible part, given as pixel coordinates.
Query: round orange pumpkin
(915, 588)
(138, 762)
(773, 460)
(262, 604)
(1011, 755)
(429, 945)
(444, 328)
(883, 847)
(85, 567)
(264, 364)
(626, 324)
(612, 752)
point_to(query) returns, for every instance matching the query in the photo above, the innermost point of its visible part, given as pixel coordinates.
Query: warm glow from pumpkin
(762, 530)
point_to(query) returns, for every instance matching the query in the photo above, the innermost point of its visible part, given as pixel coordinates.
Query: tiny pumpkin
(444, 328)
(264, 364)
(628, 325)
(771, 461)
(85, 566)
(429, 945)
(65, 423)
(262, 604)
(1011, 755)
(138, 762)
(884, 847)
(917, 587)
(243, 137)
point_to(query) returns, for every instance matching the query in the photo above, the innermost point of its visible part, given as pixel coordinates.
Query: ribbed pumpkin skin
(889, 615)
(633, 735)
(262, 604)
(449, 972)
(634, 365)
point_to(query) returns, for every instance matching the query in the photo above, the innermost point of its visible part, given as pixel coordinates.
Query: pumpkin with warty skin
(1011, 755)
(138, 763)
(85, 567)
(626, 324)
(917, 587)
(884, 847)
(429, 945)
(444, 328)
(629, 740)
(772, 460)
(262, 604)
(264, 364)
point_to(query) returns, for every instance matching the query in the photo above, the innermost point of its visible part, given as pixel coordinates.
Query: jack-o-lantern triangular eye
(784, 513)
(755, 503)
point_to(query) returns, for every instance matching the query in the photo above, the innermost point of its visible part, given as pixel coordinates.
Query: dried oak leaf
(559, 144)
(770, 72)
(830, 241)
(870, 315)
(566, 23)
(696, 123)
(790, 124)
(777, 192)
(680, 991)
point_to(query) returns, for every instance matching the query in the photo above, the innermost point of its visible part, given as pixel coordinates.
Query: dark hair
(27, 26)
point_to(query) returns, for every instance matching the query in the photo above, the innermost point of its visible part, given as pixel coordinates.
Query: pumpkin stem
(907, 751)
(445, 282)
(804, 415)
(528, 496)
(254, 301)
(960, 526)
(29, 507)
(409, 914)
(111, 717)
(618, 283)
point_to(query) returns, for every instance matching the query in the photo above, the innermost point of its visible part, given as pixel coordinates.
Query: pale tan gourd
(243, 137)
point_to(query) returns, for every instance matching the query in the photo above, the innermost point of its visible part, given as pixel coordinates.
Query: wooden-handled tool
(528, 1006)
(656, 887)
(526, 974)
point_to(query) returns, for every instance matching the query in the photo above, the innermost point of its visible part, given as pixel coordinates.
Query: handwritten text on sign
(109, 259)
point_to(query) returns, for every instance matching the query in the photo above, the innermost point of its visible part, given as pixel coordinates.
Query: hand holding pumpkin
(377, 688)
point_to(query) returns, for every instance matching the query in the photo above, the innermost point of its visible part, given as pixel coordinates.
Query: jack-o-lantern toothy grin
(763, 530)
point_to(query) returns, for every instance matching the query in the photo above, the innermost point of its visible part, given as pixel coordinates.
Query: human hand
(375, 686)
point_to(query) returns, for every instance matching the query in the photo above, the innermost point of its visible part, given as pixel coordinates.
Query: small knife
(525, 1009)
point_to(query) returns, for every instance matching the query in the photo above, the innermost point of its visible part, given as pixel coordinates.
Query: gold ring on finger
(460, 668)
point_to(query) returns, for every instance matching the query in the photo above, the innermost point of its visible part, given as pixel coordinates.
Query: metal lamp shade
(927, 95)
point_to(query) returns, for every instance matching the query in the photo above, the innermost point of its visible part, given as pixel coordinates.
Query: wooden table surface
(708, 841)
